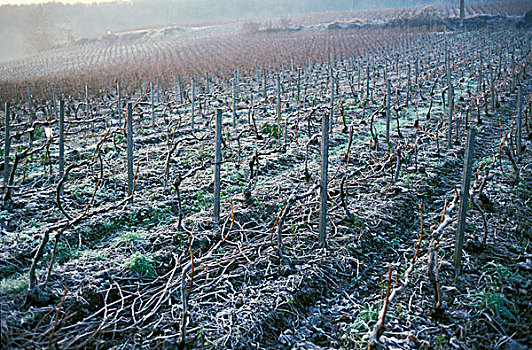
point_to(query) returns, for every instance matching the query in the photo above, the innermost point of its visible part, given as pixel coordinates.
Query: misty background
(27, 29)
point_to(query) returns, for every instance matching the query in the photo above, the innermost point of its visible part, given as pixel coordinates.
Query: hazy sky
(23, 2)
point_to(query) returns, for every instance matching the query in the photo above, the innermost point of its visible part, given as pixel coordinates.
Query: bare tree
(63, 33)
(36, 30)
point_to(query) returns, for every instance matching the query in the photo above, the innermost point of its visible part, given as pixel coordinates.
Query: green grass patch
(13, 284)
(268, 129)
(491, 299)
(141, 265)
(63, 254)
(127, 238)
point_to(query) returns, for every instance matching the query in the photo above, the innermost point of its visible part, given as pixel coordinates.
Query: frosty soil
(133, 275)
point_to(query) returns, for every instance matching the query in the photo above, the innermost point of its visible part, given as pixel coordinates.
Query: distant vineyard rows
(217, 52)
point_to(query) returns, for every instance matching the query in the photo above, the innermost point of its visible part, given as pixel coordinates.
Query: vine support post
(449, 81)
(499, 65)
(331, 121)
(234, 103)
(30, 101)
(493, 97)
(237, 73)
(264, 84)
(396, 65)
(408, 87)
(480, 78)
(285, 131)
(61, 138)
(298, 86)
(388, 100)
(193, 102)
(7, 143)
(152, 106)
(323, 179)
(158, 91)
(130, 151)
(519, 121)
(217, 165)
(180, 89)
(87, 106)
(450, 117)
(54, 100)
(119, 102)
(358, 70)
(32, 114)
(416, 83)
(367, 81)
(176, 92)
(278, 103)
(464, 198)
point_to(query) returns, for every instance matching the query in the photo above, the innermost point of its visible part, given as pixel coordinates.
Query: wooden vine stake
(278, 105)
(7, 144)
(234, 103)
(367, 82)
(519, 121)
(32, 114)
(331, 121)
(61, 138)
(493, 98)
(464, 197)
(323, 178)
(388, 100)
(359, 80)
(217, 160)
(119, 102)
(450, 112)
(54, 100)
(417, 75)
(158, 91)
(130, 151)
(408, 88)
(237, 73)
(298, 98)
(181, 93)
(193, 101)
(152, 106)
(264, 92)
(177, 90)
(87, 103)
(30, 102)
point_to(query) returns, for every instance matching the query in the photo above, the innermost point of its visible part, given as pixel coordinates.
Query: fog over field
(37, 2)
(28, 29)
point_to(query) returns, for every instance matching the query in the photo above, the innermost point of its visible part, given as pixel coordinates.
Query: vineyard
(335, 180)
